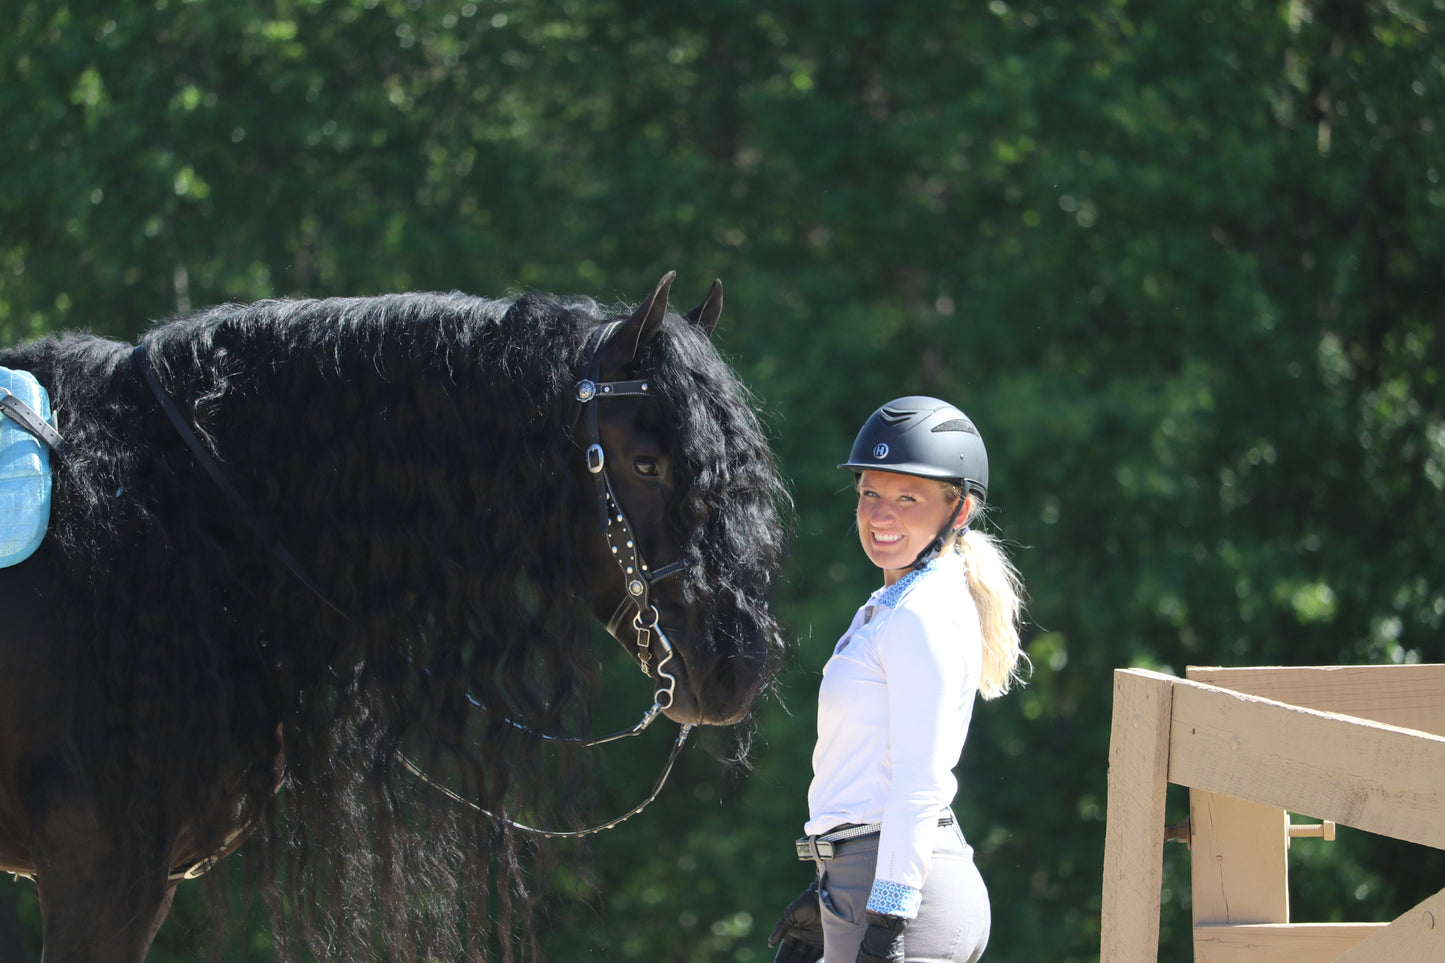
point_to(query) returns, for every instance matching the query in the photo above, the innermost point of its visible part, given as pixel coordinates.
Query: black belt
(821, 847)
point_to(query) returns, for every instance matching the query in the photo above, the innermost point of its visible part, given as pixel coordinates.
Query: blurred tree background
(1180, 260)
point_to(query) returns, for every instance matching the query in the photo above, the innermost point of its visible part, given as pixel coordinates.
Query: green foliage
(1180, 261)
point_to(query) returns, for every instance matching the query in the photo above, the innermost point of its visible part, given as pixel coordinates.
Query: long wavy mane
(413, 453)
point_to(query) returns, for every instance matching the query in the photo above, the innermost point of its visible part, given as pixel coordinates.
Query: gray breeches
(953, 921)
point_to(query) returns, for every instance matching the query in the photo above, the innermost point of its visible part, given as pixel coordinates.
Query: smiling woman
(896, 700)
(901, 516)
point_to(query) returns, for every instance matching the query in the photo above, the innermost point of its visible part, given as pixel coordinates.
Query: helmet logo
(880, 450)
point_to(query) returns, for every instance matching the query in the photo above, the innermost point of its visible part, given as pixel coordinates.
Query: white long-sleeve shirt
(893, 713)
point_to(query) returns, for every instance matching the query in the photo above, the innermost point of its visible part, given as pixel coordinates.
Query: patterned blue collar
(890, 595)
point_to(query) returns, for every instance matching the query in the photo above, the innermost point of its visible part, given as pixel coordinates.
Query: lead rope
(677, 745)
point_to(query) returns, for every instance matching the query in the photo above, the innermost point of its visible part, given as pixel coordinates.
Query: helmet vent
(895, 416)
(957, 424)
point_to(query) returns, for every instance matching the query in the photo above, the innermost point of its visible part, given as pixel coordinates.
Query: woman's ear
(964, 514)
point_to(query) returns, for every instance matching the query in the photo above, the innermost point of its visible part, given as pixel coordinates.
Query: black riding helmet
(923, 436)
(929, 438)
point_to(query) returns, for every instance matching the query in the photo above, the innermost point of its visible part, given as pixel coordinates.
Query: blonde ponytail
(997, 593)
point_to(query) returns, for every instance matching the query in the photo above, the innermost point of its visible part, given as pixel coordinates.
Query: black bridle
(637, 578)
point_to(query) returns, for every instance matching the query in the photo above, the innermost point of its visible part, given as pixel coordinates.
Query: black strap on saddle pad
(29, 419)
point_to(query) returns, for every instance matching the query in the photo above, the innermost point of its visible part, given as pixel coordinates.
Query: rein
(616, 528)
(218, 475)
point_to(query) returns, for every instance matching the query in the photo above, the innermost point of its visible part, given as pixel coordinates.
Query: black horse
(296, 545)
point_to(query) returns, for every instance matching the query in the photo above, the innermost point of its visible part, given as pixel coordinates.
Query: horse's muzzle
(717, 692)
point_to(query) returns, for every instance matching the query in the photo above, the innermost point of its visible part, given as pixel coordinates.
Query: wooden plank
(1379, 778)
(1281, 943)
(1238, 860)
(1410, 696)
(1416, 936)
(1134, 828)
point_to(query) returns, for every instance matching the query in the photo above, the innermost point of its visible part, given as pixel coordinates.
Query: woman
(896, 880)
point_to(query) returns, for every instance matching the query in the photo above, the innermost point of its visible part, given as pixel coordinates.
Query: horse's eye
(647, 467)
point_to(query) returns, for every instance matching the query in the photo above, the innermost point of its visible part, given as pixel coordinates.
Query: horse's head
(688, 537)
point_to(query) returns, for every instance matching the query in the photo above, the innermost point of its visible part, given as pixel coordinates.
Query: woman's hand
(799, 933)
(883, 940)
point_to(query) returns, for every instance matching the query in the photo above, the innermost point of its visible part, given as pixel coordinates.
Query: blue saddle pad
(24, 473)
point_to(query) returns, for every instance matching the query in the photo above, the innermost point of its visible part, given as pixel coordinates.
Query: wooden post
(1363, 746)
(1134, 831)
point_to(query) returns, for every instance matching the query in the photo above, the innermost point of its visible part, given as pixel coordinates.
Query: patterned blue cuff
(894, 899)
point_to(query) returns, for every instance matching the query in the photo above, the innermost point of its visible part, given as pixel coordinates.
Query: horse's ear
(705, 315)
(646, 321)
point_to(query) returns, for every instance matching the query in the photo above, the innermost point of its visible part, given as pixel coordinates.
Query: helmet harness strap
(931, 551)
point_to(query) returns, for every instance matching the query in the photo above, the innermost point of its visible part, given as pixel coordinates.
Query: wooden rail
(1361, 746)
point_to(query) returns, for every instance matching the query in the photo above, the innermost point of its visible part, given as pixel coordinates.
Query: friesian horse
(296, 545)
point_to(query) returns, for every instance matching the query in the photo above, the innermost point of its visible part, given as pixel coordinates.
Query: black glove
(799, 933)
(883, 940)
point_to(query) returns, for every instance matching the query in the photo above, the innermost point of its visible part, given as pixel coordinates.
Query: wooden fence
(1361, 746)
